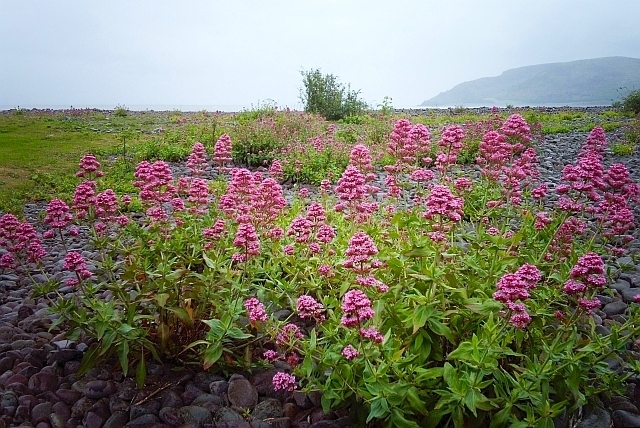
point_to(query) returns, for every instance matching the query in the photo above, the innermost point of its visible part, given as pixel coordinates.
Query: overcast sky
(240, 53)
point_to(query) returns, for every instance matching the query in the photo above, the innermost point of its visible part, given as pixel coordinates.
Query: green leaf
(162, 299)
(398, 420)
(418, 252)
(123, 356)
(420, 316)
(141, 371)
(183, 315)
(379, 409)
(236, 333)
(450, 376)
(124, 329)
(212, 355)
(427, 374)
(207, 261)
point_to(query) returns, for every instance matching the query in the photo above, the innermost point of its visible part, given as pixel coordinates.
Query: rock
(41, 412)
(68, 396)
(614, 308)
(195, 414)
(63, 355)
(43, 381)
(241, 393)
(171, 398)
(624, 419)
(227, 414)
(9, 399)
(143, 421)
(169, 415)
(97, 389)
(116, 420)
(21, 344)
(202, 380)
(58, 421)
(149, 407)
(269, 408)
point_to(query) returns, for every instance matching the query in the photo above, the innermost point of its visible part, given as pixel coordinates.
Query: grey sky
(242, 52)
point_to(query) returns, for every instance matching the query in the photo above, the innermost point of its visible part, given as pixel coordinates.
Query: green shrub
(325, 95)
(630, 102)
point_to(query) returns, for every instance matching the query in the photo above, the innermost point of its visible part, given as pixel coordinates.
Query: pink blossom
(361, 249)
(443, 203)
(540, 191)
(357, 308)
(199, 195)
(361, 158)
(372, 333)
(308, 307)
(589, 305)
(289, 250)
(247, 239)
(74, 262)
(106, 204)
(216, 231)
(284, 382)
(58, 216)
(288, 335)
(517, 128)
(84, 198)
(542, 220)
(222, 151)
(7, 261)
(300, 228)
(350, 353)
(462, 184)
(596, 141)
(197, 161)
(270, 355)
(574, 287)
(89, 165)
(275, 171)
(422, 175)
(256, 310)
(325, 271)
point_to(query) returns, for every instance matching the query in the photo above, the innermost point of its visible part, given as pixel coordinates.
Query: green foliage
(120, 111)
(623, 148)
(630, 102)
(326, 96)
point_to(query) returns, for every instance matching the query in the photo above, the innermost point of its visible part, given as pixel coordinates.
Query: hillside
(584, 82)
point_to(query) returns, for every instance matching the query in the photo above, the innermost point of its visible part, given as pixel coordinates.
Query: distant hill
(584, 82)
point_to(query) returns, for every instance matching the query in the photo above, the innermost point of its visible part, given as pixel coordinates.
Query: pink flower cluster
(197, 161)
(588, 273)
(354, 195)
(357, 309)
(443, 204)
(250, 195)
(256, 310)
(360, 254)
(514, 287)
(21, 242)
(89, 167)
(58, 215)
(409, 144)
(74, 262)
(222, 152)
(247, 240)
(155, 183)
(84, 198)
(284, 382)
(275, 171)
(308, 308)
(451, 141)
(517, 129)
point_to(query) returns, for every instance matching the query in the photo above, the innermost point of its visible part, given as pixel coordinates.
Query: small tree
(630, 101)
(325, 95)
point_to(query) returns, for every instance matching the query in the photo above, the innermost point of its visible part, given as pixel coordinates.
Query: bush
(325, 95)
(630, 102)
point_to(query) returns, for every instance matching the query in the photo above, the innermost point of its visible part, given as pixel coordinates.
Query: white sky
(243, 52)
